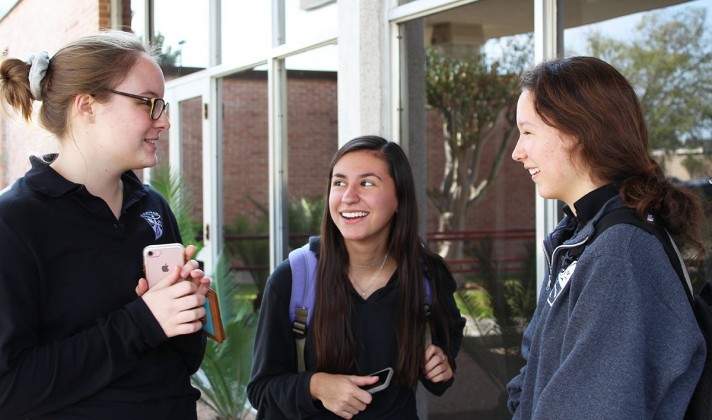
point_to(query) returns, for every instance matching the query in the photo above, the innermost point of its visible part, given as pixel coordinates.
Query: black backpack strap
(627, 215)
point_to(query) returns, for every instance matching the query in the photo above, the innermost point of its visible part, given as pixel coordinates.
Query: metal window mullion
(548, 34)
(278, 221)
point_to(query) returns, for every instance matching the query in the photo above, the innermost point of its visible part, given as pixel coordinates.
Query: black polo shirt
(75, 341)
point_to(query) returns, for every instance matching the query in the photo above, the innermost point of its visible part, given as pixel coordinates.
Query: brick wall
(245, 148)
(312, 131)
(20, 38)
(312, 140)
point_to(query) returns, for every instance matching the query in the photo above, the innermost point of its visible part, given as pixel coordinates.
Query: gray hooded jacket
(613, 335)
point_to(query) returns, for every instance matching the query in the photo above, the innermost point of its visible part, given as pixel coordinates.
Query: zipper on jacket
(553, 254)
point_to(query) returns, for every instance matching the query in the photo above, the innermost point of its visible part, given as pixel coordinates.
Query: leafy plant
(669, 62)
(181, 200)
(499, 308)
(304, 219)
(225, 371)
(476, 97)
(521, 292)
(250, 242)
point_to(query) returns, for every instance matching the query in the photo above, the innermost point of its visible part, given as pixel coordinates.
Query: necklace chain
(368, 265)
(372, 281)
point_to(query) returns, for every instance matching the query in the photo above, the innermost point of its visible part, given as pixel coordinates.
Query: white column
(363, 85)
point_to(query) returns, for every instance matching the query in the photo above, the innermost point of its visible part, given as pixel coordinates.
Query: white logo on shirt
(154, 219)
(561, 281)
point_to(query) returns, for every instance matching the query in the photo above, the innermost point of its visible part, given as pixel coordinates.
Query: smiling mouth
(353, 214)
(534, 171)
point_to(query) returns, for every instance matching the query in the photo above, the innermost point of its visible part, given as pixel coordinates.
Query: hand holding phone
(159, 260)
(384, 379)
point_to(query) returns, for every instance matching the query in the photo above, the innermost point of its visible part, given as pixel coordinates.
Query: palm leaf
(181, 200)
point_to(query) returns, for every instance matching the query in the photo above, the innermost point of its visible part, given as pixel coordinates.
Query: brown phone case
(212, 323)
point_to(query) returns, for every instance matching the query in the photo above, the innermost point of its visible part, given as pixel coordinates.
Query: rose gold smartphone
(159, 260)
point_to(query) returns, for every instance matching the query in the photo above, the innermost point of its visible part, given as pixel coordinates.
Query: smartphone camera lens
(150, 253)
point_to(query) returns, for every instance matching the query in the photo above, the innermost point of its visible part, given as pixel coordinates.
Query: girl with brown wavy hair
(613, 335)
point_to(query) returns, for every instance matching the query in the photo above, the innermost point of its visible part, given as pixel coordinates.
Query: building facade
(263, 93)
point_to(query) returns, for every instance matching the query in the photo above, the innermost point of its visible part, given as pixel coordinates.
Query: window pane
(191, 132)
(245, 29)
(181, 29)
(138, 18)
(320, 59)
(304, 24)
(474, 56)
(245, 175)
(312, 137)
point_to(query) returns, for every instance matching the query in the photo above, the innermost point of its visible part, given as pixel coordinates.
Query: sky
(5, 6)
(620, 28)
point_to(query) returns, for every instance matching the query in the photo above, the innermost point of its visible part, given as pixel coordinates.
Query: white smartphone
(159, 260)
(384, 379)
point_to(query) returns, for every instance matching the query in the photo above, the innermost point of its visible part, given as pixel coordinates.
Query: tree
(167, 56)
(477, 100)
(669, 63)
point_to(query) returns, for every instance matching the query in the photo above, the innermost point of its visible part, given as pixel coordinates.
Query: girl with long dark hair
(370, 311)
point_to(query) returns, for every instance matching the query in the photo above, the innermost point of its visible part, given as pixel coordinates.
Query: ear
(84, 105)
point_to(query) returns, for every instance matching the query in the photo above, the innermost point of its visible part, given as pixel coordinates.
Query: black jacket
(75, 341)
(278, 391)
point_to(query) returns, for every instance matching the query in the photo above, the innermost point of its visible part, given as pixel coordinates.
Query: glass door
(192, 162)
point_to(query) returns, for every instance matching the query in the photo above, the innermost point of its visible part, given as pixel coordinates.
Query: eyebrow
(149, 94)
(152, 94)
(365, 175)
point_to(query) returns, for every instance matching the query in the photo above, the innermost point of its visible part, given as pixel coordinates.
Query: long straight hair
(333, 337)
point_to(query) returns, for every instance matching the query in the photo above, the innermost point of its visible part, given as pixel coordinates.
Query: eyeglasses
(158, 105)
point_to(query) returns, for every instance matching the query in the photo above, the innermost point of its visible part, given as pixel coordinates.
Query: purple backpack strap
(426, 284)
(303, 264)
(428, 339)
(428, 294)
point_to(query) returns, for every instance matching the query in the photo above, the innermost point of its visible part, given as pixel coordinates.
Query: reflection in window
(181, 29)
(245, 175)
(304, 23)
(245, 30)
(312, 131)
(320, 59)
(474, 58)
(665, 57)
(138, 18)
(6, 6)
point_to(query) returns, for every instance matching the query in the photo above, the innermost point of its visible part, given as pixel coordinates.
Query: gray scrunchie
(38, 69)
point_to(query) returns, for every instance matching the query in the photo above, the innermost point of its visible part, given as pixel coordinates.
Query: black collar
(590, 204)
(45, 180)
